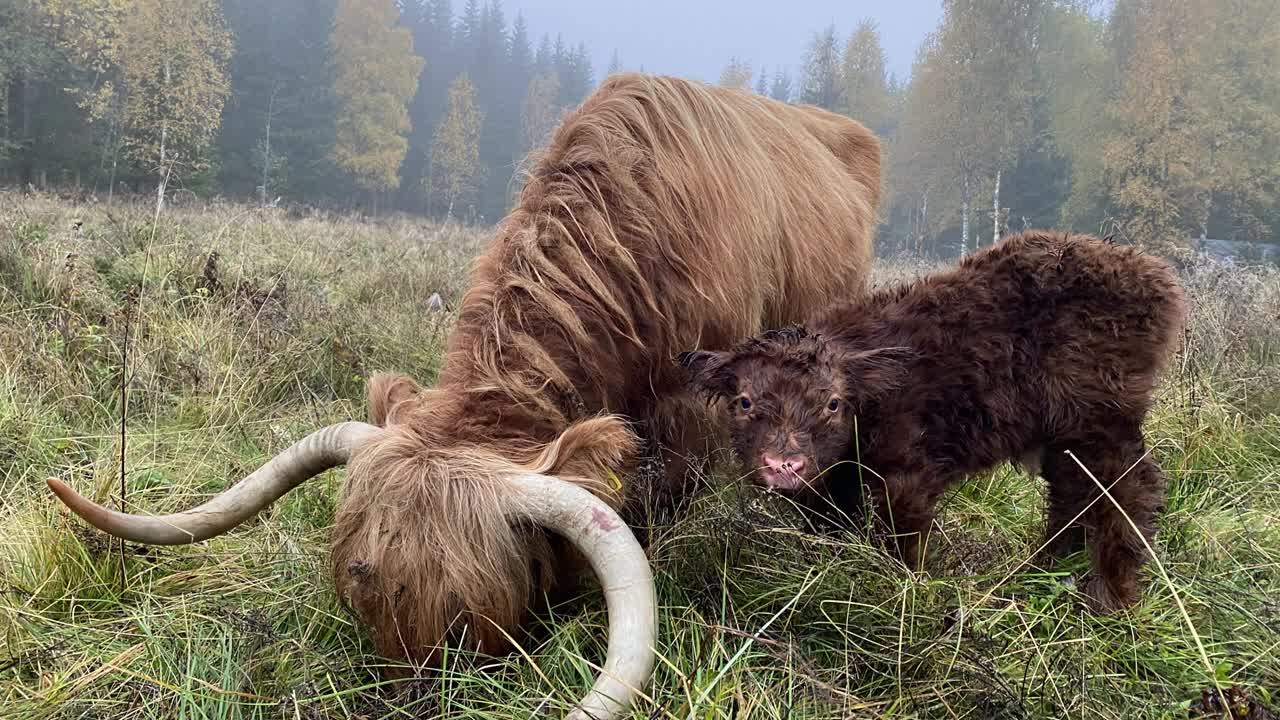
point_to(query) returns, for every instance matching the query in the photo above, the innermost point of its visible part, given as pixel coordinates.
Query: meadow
(223, 333)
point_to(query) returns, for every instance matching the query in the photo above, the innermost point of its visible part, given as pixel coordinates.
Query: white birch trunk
(964, 218)
(164, 169)
(924, 221)
(995, 211)
(266, 151)
(164, 139)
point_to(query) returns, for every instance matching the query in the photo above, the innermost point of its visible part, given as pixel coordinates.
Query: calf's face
(790, 417)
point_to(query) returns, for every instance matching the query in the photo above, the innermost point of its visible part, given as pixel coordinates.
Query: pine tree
(615, 64)
(780, 89)
(575, 75)
(456, 171)
(377, 77)
(762, 82)
(468, 31)
(544, 59)
(279, 126)
(820, 82)
(521, 49)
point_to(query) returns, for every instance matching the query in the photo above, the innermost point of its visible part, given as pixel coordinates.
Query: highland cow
(1039, 345)
(664, 214)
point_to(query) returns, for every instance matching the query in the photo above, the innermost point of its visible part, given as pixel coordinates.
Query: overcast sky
(695, 38)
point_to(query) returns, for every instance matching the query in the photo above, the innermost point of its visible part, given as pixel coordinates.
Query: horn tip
(58, 487)
(69, 497)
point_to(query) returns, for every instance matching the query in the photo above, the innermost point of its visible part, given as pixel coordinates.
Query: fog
(993, 115)
(693, 38)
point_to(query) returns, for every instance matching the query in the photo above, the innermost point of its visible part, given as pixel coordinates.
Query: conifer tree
(820, 80)
(780, 88)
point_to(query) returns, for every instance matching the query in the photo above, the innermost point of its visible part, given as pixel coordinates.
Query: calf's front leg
(906, 511)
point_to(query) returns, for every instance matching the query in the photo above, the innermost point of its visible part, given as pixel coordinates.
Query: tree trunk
(164, 169)
(995, 211)
(964, 218)
(4, 113)
(431, 176)
(115, 162)
(266, 154)
(924, 222)
(26, 167)
(164, 139)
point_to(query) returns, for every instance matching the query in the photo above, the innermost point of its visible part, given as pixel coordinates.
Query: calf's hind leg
(1069, 492)
(1119, 460)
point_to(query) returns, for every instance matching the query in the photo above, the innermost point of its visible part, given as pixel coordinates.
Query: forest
(222, 220)
(1149, 120)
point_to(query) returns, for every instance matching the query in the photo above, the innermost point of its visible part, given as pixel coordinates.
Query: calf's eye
(744, 402)
(834, 405)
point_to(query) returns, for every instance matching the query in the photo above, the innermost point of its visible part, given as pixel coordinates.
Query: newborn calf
(1041, 344)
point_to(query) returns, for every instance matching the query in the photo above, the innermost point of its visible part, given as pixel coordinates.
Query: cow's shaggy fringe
(664, 214)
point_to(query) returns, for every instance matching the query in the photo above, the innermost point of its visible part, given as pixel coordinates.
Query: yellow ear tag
(614, 479)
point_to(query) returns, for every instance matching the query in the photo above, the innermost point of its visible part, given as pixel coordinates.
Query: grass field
(231, 359)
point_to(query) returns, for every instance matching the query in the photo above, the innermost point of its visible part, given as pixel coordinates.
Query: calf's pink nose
(793, 464)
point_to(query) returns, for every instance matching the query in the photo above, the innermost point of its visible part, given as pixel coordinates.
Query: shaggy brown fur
(1041, 344)
(664, 214)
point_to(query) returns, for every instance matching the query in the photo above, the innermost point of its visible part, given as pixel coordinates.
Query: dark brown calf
(1042, 344)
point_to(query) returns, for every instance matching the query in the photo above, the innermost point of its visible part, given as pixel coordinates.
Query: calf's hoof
(1105, 597)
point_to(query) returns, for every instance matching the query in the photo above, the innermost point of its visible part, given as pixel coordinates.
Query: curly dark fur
(1042, 344)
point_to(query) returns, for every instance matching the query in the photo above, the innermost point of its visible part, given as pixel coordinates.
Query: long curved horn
(620, 564)
(581, 518)
(310, 456)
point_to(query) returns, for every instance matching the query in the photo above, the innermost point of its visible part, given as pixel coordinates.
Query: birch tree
(866, 89)
(170, 64)
(538, 111)
(377, 77)
(456, 171)
(1156, 162)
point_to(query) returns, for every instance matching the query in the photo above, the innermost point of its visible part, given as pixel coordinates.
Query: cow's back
(665, 215)
(767, 210)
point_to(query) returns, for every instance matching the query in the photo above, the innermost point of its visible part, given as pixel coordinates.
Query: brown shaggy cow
(664, 214)
(1042, 344)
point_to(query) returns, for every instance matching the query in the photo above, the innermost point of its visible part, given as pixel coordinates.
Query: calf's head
(792, 399)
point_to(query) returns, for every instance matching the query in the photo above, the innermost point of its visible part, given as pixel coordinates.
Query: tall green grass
(230, 360)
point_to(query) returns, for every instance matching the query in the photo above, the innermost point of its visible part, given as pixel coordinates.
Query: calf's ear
(875, 373)
(707, 372)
